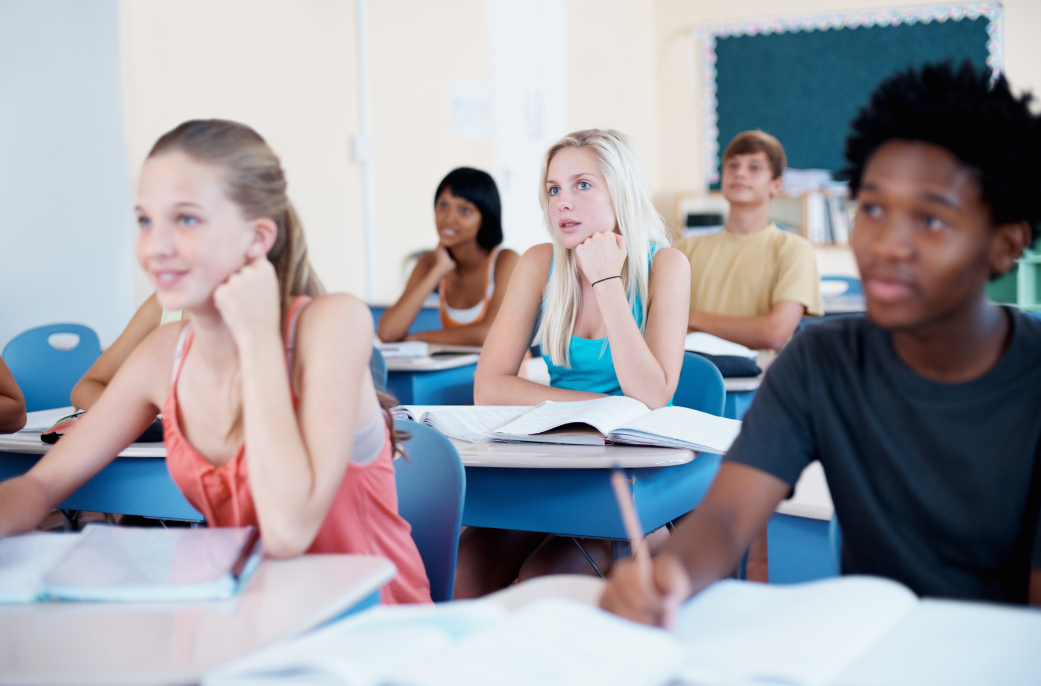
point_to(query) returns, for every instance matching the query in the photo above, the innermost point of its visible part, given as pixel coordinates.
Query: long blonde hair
(638, 222)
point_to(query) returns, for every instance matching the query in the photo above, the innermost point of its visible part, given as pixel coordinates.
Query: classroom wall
(289, 70)
(679, 122)
(63, 175)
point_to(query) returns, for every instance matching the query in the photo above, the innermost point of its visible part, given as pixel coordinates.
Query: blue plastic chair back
(853, 285)
(431, 488)
(46, 374)
(378, 367)
(701, 385)
(1035, 315)
(835, 543)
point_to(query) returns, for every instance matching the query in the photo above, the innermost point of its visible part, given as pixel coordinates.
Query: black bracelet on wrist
(607, 279)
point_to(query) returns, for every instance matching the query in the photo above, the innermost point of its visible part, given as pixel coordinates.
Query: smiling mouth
(887, 290)
(167, 279)
(569, 225)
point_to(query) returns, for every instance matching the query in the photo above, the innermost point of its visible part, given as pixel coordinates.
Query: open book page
(706, 343)
(463, 422)
(549, 642)
(952, 643)
(131, 564)
(742, 632)
(361, 650)
(603, 414)
(680, 427)
(25, 559)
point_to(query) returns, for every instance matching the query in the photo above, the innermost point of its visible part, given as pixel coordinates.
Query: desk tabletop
(548, 455)
(28, 441)
(174, 643)
(740, 384)
(434, 363)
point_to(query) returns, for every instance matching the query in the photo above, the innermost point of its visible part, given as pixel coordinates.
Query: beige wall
(416, 49)
(288, 69)
(679, 121)
(611, 63)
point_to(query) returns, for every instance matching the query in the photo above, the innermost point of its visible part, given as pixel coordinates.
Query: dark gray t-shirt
(935, 485)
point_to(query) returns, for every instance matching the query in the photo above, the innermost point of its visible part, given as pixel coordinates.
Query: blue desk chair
(431, 489)
(701, 386)
(378, 367)
(45, 373)
(835, 543)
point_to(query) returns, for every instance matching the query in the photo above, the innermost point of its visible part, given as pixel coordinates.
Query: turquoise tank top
(592, 367)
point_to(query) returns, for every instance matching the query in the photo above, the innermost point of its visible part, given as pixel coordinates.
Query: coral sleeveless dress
(363, 517)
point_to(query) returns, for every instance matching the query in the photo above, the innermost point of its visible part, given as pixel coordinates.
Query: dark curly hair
(979, 121)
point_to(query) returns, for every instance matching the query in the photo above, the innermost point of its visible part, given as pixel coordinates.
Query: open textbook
(414, 350)
(614, 419)
(110, 563)
(850, 631)
(467, 643)
(618, 419)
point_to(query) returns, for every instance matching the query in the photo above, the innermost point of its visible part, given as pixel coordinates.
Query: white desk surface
(548, 455)
(738, 385)
(29, 441)
(58, 643)
(435, 363)
(811, 499)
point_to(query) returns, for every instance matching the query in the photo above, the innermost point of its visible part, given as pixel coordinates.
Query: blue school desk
(428, 319)
(740, 393)
(566, 490)
(441, 380)
(136, 483)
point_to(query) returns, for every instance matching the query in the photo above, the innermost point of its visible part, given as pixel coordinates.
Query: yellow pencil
(624, 495)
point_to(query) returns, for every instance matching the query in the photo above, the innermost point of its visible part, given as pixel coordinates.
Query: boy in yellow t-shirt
(751, 283)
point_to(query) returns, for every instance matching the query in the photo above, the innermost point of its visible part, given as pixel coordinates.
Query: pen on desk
(624, 495)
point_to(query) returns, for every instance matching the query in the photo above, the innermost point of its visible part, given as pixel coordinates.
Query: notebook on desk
(110, 563)
(417, 350)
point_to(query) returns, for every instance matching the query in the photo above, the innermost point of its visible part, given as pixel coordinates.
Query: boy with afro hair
(925, 413)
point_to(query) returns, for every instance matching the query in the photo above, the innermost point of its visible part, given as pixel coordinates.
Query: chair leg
(589, 559)
(72, 519)
(621, 550)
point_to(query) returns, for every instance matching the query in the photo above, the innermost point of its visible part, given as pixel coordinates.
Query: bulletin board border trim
(705, 36)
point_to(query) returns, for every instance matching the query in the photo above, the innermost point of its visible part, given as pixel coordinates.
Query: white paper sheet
(604, 414)
(25, 559)
(744, 632)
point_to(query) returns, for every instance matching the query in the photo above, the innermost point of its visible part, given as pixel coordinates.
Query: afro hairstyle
(972, 115)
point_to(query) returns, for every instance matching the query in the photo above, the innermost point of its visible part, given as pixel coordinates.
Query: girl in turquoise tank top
(611, 303)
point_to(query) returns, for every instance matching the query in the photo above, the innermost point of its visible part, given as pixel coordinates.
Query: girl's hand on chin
(248, 301)
(601, 255)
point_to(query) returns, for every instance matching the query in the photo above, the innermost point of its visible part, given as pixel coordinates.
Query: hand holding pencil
(641, 589)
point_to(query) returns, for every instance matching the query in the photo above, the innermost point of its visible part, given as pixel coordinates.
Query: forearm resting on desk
(467, 334)
(770, 331)
(24, 502)
(510, 389)
(12, 414)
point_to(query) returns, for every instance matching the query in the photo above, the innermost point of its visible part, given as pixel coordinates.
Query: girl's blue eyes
(582, 185)
(144, 222)
(186, 220)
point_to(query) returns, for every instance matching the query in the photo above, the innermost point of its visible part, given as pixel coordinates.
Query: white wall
(65, 231)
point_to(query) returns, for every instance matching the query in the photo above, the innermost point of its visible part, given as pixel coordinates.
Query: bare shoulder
(537, 258)
(336, 313)
(506, 256)
(670, 261)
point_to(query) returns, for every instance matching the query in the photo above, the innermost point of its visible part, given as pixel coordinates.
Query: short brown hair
(751, 142)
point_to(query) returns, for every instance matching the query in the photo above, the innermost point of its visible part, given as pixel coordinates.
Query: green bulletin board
(804, 78)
